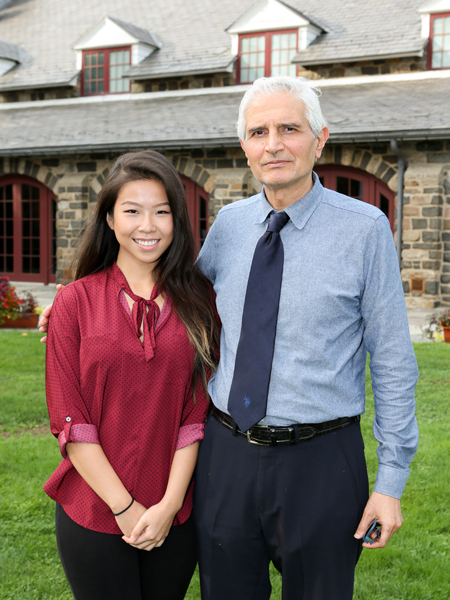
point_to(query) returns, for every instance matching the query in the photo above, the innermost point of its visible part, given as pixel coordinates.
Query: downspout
(401, 177)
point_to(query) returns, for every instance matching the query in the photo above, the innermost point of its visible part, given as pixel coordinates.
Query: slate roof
(192, 33)
(372, 111)
(11, 51)
(143, 35)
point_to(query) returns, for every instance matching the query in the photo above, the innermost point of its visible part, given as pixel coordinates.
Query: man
(279, 491)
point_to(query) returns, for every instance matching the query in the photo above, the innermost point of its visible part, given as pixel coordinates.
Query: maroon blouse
(102, 388)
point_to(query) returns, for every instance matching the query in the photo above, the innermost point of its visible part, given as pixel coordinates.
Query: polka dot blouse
(101, 389)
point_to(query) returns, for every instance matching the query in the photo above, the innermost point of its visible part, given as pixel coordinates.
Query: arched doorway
(198, 207)
(27, 230)
(360, 185)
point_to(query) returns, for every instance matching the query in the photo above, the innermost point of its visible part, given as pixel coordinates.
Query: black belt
(267, 435)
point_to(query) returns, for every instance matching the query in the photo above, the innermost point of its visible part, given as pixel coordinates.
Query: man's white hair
(299, 87)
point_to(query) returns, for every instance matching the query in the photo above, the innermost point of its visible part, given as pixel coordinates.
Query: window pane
(436, 61)
(120, 85)
(25, 265)
(253, 59)
(25, 191)
(244, 61)
(126, 85)
(35, 210)
(87, 59)
(9, 246)
(26, 246)
(112, 86)
(86, 88)
(252, 44)
(2, 245)
(35, 264)
(94, 87)
(262, 43)
(35, 229)
(113, 58)
(244, 45)
(259, 72)
(244, 75)
(9, 210)
(437, 44)
(292, 40)
(8, 192)
(35, 247)
(356, 188)
(342, 185)
(119, 70)
(2, 263)
(275, 42)
(25, 228)
(252, 74)
(447, 25)
(126, 57)
(100, 87)
(384, 205)
(283, 57)
(120, 57)
(100, 73)
(25, 210)
(94, 73)
(446, 59)
(9, 264)
(100, 58)
(446, 44)
(113, 72)
(261, 59)
(34, 192)
(284, 40)
(9, 228)
(283, 70)
(437, 26)
(2, 229)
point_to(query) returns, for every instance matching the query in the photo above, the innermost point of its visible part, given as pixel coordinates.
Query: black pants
(297, 506)
(101, 566)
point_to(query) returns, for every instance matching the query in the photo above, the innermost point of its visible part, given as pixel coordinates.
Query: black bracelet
(125, 509)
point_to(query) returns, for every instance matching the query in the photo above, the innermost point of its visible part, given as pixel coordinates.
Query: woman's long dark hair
(176, 273)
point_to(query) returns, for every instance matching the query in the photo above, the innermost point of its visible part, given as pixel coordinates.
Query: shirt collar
(301, 210)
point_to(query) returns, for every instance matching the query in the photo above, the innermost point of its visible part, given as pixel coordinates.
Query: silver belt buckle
(249, 439)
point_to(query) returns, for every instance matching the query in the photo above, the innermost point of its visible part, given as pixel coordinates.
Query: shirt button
(68, 419)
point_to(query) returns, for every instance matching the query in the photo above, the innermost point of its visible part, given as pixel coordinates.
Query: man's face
(279, 144)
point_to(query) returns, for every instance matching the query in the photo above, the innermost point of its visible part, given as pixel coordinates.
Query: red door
(27, 230)
(360, 185)
(197, 202)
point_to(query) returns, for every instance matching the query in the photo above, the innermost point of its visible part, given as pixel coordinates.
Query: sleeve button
(68, 419)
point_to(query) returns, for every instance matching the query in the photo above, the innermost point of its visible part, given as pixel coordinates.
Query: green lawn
(415, 565)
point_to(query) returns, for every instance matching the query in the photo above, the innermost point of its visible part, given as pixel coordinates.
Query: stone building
(83, 81)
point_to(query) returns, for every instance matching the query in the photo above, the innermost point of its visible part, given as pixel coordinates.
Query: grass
(415, 565)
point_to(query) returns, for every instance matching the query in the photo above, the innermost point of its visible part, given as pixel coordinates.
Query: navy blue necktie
(247, 402)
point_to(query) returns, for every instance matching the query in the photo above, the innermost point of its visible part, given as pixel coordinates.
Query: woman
(128, 343)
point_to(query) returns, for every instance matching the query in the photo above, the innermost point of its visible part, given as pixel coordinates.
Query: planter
(446, 332)
(27, 321)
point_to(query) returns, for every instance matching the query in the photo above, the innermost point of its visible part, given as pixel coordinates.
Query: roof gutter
(401, 177)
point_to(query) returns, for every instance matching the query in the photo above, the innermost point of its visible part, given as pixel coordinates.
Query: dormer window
(267, 37)
(265, 54)
(103, 71)
(440, 41)
(107, 51)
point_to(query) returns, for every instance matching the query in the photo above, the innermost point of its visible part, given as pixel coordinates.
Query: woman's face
(142, 221)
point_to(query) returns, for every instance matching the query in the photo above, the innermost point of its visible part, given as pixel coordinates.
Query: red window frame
(373, 188)
(198, 208)
(268, 50)
(430, 42)
(106, 65)
(22, 230)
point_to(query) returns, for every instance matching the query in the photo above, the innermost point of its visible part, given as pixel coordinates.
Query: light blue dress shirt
(341, 297)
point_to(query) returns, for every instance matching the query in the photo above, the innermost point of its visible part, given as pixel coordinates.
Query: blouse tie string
(148, 318)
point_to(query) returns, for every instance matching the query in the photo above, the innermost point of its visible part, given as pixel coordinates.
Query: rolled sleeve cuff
(83, 432)
(189, 434)
(390, 481)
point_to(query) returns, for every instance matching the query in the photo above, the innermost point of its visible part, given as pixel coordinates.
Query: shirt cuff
(83, 432)
(189, 434)
(390, 481)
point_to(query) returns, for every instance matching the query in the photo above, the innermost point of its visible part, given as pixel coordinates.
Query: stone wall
(187, 82)
(40, 94)
(225, 176)
(364, 67)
